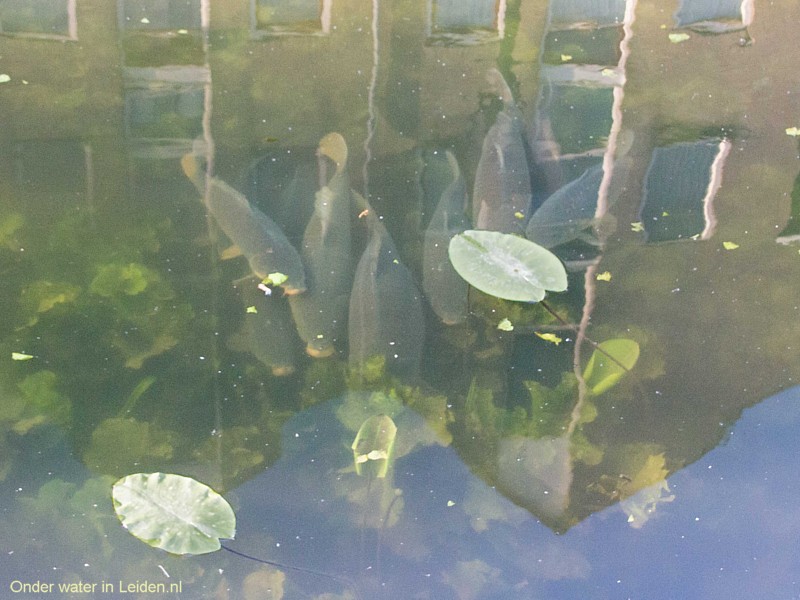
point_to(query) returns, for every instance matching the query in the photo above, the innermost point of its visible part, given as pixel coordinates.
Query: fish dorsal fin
(191, 168)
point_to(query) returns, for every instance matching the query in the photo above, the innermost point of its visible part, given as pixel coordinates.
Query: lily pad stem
(341, 580)
(587, 338)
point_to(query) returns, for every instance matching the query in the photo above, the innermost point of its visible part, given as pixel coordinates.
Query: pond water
(160, 159)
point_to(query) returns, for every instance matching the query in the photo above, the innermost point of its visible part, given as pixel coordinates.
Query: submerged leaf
(172, 512)
(506, 266)
(609, 363)
(374, 442)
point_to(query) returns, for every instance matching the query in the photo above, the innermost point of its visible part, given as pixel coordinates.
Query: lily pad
(602, 372)
(172, 512)
(507, 266)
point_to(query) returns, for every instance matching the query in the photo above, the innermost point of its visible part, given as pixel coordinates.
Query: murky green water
(663, 170)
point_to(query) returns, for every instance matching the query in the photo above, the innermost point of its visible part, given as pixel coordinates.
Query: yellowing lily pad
(550, 337)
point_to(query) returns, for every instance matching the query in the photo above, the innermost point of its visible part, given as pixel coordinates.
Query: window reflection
(715, 16)
(681, 183)
(282, 17)
(465, 22)
(39, 18)
(159, 15)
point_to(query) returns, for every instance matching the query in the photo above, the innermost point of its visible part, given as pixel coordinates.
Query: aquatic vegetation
(174, 513)
(507, 266)
(113, 280)
(119, 443)
(238, 448)
(10, 224)
(41, 401)
(42, 296)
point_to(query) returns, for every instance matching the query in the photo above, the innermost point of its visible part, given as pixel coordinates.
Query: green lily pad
(603, 373)
(506, 266)
(172, 512)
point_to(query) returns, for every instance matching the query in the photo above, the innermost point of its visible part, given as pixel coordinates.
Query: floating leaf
(604, 276)
(549, 337)
(21, 356)
(793, 131)
(4, 78)
(506, 266)
(251, 310)
(677, 38)
(638, 226)
(275, 279)
(608, 72)
(602, 371)
(505, 325)
(730, 245)
(373, 444)
(566, 57)
(172, 512)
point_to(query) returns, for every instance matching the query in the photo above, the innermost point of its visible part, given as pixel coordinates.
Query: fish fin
(230, 252)
(191, 168)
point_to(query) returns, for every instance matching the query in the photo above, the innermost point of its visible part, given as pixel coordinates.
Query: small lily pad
(602, 372)
(172, 512)
(506, 266)
(505, 325)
